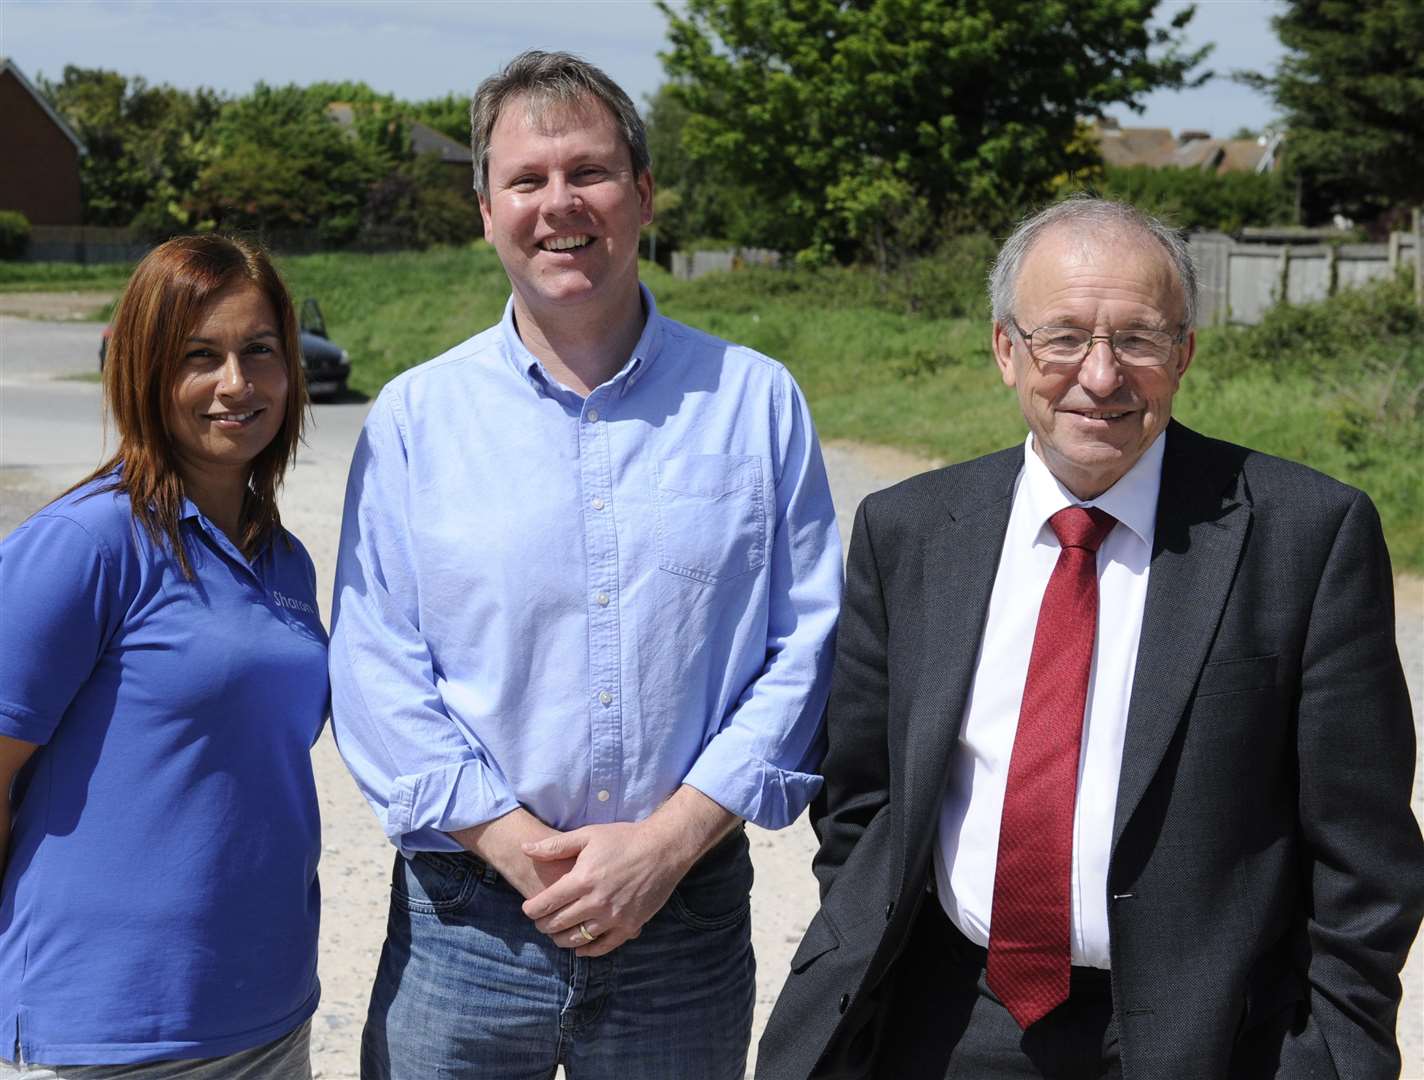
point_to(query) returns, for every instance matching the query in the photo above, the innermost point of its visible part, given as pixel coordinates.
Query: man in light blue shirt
(587, 588)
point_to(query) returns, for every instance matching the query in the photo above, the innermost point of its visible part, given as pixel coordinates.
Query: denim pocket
(711, 516)
(434, 883)
(695, 919)
(716, 893)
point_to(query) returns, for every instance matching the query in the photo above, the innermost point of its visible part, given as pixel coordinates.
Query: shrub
(14, 234)
(1191, 199)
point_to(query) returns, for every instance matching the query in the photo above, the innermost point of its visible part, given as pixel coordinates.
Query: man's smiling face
(564, 208)
(1092, 421)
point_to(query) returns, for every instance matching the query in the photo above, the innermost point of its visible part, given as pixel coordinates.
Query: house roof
(1241, 155)
(424, 139)
(1136, 146)
(6, 64)
(1158, 148)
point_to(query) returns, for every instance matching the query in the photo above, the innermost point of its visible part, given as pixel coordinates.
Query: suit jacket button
(889, 910)
(844, 1002)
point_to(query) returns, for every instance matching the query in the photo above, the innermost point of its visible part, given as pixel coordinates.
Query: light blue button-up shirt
(578, 604)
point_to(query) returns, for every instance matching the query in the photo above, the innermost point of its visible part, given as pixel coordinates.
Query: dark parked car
(325, 363)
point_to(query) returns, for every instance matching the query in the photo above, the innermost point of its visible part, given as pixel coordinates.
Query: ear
(645, 196)
(485, 215)
(1003, 346)
(1189, 351)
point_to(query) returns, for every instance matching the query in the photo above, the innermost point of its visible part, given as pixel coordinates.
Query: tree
(277, 161)
(450, 114)
(423, 202)
(143, 144)
(851, 128)
(1351, 88)
(1192, 199)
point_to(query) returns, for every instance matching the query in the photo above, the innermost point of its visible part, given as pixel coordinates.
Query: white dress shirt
(968, 848)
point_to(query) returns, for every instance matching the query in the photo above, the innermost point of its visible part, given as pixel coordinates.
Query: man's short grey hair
(1088, 215)
(543, 79)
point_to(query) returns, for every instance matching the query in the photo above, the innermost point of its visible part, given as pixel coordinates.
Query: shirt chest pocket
(711, 516)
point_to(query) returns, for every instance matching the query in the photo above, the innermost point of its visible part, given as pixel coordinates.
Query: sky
(416, 49)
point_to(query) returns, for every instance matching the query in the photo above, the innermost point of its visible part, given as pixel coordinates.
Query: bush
(948, 283)
(1337, 384)
(1191, 199)
(1378, 318)
(420, 202)
(14, 234)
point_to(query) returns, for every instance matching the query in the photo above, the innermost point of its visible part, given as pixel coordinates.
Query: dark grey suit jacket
(1267, 874)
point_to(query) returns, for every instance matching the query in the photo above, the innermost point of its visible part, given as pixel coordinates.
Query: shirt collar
(188, 511)
(645, 351)
(1132, 500)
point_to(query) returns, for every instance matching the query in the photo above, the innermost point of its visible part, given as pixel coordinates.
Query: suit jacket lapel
(1202, 521)
(960, 562)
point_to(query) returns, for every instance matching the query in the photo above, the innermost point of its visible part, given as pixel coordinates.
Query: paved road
(50, 434)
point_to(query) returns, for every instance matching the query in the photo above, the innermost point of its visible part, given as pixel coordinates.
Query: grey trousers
(288, 1058)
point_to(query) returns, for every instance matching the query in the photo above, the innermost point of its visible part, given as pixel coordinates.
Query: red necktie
(1029, 951)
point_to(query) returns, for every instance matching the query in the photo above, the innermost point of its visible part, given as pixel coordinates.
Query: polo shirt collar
(1132, 500)
(189, 511)
(645, 352)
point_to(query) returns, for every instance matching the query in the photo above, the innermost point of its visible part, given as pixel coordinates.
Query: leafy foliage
(145, 145)
(845, 130)
(1192, 199)
(274, 162)
(14, 234)
(449, 114)
(424, 202)
(1351, 87)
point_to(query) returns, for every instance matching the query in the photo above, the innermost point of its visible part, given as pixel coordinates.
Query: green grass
(1336, 385)
(393, 311)
(56, 276)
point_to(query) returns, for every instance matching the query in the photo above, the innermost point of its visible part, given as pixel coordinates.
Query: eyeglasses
(1070, 345)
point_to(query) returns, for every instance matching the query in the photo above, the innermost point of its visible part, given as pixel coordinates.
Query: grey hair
(544, 79)
(1085, 212)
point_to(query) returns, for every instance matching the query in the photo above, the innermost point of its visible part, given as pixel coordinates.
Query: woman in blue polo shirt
(162, 680)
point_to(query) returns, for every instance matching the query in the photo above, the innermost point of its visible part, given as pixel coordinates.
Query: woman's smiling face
(230, 394)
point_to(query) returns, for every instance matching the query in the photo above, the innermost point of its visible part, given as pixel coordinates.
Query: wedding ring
(583, 930)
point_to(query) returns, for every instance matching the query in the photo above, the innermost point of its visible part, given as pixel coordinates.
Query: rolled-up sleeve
(422, 774)
(761, 764)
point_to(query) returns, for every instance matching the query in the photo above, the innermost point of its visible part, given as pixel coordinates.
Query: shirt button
(603, 796)
(597, 503)
(602, 599)
(605, 698)
(593, 416)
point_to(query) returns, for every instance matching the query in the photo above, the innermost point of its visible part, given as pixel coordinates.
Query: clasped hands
(593, 888)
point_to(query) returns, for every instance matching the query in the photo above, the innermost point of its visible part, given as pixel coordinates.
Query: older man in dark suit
(1120, 749)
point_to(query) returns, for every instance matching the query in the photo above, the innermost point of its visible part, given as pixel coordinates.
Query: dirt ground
(56, 306)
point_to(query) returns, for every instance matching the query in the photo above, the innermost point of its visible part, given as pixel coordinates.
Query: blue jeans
(467, 987)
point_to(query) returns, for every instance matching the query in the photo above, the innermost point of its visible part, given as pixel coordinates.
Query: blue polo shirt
(161, 897)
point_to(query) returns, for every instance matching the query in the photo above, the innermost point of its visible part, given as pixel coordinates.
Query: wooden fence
(1240, 282)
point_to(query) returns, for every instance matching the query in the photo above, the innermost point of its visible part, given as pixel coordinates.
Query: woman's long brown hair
(161, 306)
